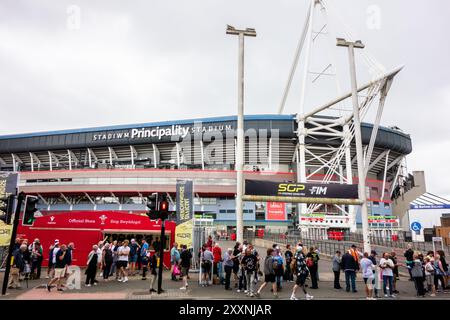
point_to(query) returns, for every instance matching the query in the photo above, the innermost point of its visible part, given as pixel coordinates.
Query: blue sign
(416, 226)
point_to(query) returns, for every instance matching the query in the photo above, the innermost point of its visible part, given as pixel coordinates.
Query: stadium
(86, 176)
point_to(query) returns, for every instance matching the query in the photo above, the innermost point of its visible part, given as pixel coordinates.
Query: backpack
(275, 264)
(309, 262)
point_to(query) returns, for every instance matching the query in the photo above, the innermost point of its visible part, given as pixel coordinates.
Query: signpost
(416, 227)
(8, 187)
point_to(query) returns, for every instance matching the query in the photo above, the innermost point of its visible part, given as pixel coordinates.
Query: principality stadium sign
(160, 132)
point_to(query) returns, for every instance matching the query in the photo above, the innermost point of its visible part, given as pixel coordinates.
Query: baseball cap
(56, 241)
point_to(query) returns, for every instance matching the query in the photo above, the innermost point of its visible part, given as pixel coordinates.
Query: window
(375, 204)
(260, 215)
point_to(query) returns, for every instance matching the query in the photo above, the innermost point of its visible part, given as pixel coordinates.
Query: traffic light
(30, 209)
(163, 208)
(158, 207)
(6, 204)
(152, 205)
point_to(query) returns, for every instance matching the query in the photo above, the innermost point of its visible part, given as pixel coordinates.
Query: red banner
(102, 220)
(276, 211)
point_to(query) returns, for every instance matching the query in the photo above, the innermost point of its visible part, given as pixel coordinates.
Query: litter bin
(394, 237)
(233, 237)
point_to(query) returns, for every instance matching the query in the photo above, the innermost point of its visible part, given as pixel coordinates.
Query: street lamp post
(240, 131)
(358, 140)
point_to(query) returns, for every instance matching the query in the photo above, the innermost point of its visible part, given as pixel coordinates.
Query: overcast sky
(74, 64)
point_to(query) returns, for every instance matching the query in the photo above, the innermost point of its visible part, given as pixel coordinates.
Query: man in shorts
(185, 263)
(133, 256)
(301, 270)
(269, 273)
(122, 261)
(60, 268)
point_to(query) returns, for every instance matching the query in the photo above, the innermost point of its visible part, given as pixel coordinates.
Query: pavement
(137, 289)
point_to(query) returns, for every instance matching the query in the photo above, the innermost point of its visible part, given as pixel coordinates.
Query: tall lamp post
(240, 131)
(358, 140)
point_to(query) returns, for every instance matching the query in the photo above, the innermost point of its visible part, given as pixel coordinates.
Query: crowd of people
(240, 266)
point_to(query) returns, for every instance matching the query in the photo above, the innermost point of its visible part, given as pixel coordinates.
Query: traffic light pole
(20, 199)
(161, 255)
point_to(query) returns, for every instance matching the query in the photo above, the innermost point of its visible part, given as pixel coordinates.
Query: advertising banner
(8, 183)
(307, 190)
(276, 211)
(185, 200)
(5, 234)
(184, 234)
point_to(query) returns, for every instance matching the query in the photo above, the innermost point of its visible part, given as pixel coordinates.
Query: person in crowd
(417, 275)
(17, 266)
(209, 243)
(312, 262)
(429, 276)
(439, 273)
(107, 257)
(269, 273)
(100, 247)
(228, 264)
(69, 253)
(36, 258)
(288, 255)
(139, 259)
(350, 266)
(51, 258)
(115, 251)
(249, 267)
(256, 254)
(367, 268)
(153, 265)
(174, 259)
(444, 267)
(27, 261)
(387, 270)
(122, 262)
(236, 258)
(133, 256)
(143, 254)
(301, 271)
(242, 286)
(206, 259)
(92, 264)
(336, 262)
(60, 263)
(393, 257)
(185, 263)
(278, 267)
(375, 282)
(355, 253)
(409, 256)
(217, 254)
(156, 244)
(17, 244)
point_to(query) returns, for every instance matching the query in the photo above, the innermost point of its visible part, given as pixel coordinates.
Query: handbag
(176, 270)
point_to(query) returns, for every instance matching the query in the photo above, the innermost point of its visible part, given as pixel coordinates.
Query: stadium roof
(430, 201)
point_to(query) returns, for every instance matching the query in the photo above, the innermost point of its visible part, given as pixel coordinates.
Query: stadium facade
(112, 169)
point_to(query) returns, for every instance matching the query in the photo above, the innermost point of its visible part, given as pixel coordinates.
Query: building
(425, 214)
(112, 169)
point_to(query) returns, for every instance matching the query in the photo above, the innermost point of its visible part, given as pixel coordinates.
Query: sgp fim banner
(306, 190)
(185, 200)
